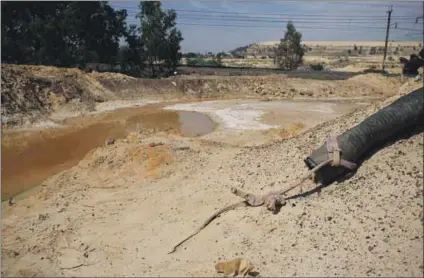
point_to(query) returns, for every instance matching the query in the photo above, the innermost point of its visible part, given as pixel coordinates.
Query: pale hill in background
(337, 48)
(334, 55)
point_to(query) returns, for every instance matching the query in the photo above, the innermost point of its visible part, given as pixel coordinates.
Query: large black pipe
(401, 115)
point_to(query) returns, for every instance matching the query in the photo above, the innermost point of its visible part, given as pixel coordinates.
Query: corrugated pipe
(405, 113)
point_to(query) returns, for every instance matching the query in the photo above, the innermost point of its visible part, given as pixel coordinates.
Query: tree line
(74, 34)
(82, 33)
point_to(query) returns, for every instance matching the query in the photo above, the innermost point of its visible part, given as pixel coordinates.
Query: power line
(335, 21)
(205, 22)
(295, 18)
(317, 25)
(349, 23)
(397, 6)
(265, 20)
(275, 27)
(285, 14)
(266, 14)
(295, 21)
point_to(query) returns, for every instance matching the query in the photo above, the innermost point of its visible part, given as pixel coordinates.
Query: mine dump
(250, 162)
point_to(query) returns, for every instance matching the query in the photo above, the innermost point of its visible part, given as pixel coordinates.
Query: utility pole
(387, 34)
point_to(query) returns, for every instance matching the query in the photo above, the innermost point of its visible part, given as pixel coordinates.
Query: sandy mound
(30, 93)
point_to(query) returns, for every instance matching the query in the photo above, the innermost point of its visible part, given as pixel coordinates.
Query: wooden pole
(387, 34)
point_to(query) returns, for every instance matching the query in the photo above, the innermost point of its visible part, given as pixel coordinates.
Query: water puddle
(195, 124)
(259, 115)
(29, 157)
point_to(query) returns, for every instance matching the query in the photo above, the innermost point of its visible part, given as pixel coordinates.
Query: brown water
(195, 124)
(29, 157)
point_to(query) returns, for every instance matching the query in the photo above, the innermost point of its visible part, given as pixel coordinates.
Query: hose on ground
(389, 122)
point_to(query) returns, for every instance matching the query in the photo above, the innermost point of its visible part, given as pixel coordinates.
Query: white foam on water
(245, 114)
(238, 117)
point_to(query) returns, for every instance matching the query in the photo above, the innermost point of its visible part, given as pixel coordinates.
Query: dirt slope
(31, 94)
(123, 207)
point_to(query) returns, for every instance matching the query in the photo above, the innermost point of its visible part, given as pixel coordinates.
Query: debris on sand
(110, 141)
(234, 267)
(155, 144)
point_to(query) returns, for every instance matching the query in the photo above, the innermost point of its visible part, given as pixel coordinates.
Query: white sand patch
(116, 104)
(239, 116)
(46, 124)
(246, 114)
(242, 118)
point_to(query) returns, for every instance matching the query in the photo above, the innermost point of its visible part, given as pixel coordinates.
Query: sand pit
(120, 208)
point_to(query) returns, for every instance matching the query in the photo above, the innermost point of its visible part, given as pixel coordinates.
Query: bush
(344, 59)
(203, 62)
(192, 55)
(194, 61)
(317, 67)
(374, 69)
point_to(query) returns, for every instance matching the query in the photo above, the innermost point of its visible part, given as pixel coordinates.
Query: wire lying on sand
(271, 200)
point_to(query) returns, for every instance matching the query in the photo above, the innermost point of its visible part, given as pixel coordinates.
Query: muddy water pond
(29, 157)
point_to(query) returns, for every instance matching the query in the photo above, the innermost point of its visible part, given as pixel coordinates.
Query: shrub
(317, 67)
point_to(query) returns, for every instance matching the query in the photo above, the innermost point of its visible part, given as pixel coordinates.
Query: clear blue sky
(224, 25)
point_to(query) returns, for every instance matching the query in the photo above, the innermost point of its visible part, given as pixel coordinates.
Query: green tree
(60, 33)
(31, 32)
(132, 56)
(192, 55)
(290, 51)
(171, 54)
(159, 36)
(93, 31)
(218, 58)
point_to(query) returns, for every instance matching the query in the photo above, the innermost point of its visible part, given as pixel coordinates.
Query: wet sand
(30, 157)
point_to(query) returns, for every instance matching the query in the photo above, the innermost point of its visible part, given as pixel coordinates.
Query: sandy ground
(122, 208)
